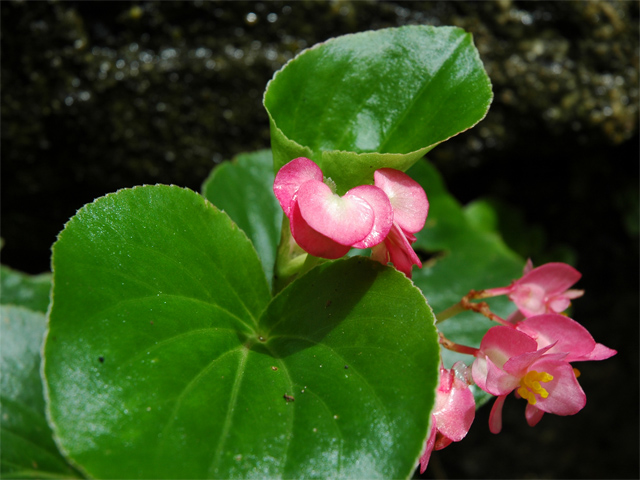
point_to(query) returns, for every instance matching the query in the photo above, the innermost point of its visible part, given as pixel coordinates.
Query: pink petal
(530, 298)
(566, 397)
(409, 236)
(501, 343)
(409, 202)
(599, 352)
(567, 335)
(495, 417)
(528, 266)
(455, 410)
(533, 414)
(428, 448)
(499, 382)
(345, 220)
(554, 278)
(289, 179)
(491, 378)
(311, 241)
(519, 364)
(383, 219)
(573, 293)
(558, 304)
(480, 371)
(400, 252)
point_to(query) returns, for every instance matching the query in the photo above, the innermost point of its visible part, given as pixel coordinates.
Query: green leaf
(466, 253)
(376, 99)
(28, 449)
(243, 188)
(355, 343)
(166, 357)
(30, 291)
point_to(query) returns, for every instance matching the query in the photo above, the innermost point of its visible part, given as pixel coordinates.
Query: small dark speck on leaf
(288, 398)
(151, 322)
(101, 359)
(328, 304)
(346, 367)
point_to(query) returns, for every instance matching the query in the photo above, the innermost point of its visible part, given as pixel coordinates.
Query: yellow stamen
(530, 386)
(576, 372)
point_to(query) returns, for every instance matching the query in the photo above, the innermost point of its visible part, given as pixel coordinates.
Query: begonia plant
(280, 324)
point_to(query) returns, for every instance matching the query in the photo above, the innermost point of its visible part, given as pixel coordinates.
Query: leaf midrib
(233, 400)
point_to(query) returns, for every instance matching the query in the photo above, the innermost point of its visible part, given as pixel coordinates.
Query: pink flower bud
(323, 223)
(453, 412)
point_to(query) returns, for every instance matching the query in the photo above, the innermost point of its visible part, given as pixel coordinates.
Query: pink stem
(456, 347)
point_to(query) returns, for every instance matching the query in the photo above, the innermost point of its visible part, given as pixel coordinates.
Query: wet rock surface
(98, 96)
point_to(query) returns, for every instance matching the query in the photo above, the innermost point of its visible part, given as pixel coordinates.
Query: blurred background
(98, 96)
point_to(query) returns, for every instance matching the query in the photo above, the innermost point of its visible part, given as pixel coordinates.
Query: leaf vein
(227, 423)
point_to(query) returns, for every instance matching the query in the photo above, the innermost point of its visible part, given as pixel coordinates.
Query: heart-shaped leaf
(28, 449)
(376, 99)
(243, 188)
(166, 358)
(359, 352)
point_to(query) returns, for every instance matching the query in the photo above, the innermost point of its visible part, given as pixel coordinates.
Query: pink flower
(383, 216)
(565, 336)
(323, 223)
(410, 209)
(544, 289)
(509, 360)
(453, 412)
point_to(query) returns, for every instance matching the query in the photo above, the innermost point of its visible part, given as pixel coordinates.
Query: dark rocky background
(98, 96)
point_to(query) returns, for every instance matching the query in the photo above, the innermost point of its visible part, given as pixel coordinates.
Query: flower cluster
(530, 354)
(383, 216)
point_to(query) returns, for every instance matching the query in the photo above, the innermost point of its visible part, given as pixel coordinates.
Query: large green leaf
(167, 358)
(243, 188)
(467, 253)
(376, 99)
(28, 449)
(30, 291)
(358, 348)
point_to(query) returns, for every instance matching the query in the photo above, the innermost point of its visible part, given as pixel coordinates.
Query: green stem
(450, 312)
(291, 260)
(466, 304)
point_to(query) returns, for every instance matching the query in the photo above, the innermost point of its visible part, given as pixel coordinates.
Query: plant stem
(483, 309)
(456, 347)
(290, 259)
(450, 312)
